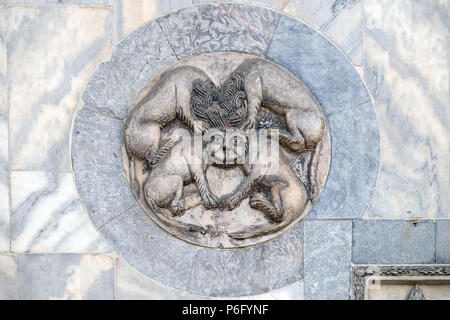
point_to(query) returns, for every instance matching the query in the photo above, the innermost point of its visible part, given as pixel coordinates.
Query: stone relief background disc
(221, 198)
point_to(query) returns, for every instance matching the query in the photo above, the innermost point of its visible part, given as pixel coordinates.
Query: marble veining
(67, 277)
(221, 27)
(340, 20)
(328, 250)
(133, 285)
(48, 216)
(46, 75)
(130, 15)
(406, 68)
(8, 277)
(4, 148)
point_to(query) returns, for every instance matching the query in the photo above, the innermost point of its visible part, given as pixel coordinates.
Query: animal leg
(259, 202)
(177, 204)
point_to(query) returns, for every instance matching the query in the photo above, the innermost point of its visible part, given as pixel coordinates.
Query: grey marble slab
(48, 216)
(46, 75)
(340, 20)
(393, 242)
(221, 27)
(406, 68)
(354, 164)
(277, 263)
(4, 147)
(204, 272)
(65, 277)
(350, 115)
(133, 285)
(443, 241)
(328, 247)
(149, 249)
(135, 61)
(220, 273)
(96, 159)
(275, 4)
(316, 61)
(9, 289)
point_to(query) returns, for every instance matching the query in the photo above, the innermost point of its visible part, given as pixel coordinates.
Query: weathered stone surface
(222, 27)
(48, 216)
(352, 119)
(96, 159)
(135, 61)
(8, 277)
(443, 241)
(46, 76)
(391, 241)
(67, 276)
(328, 246)
(214, 204)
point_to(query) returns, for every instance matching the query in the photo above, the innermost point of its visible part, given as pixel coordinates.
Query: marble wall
(49, 49)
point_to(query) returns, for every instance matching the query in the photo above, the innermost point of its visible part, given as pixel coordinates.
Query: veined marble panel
(8, 277)
(130, 15)
(340, 20)
(48, 216)
(52, 52)
(65, 277)
(406, 51)
(4, 152)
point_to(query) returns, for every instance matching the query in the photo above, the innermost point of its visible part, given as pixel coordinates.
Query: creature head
(225, 148)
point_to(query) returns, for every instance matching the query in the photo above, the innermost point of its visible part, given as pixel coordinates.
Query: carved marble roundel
(226, 150)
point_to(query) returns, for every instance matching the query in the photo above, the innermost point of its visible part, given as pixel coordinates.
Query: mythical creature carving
(171, 179)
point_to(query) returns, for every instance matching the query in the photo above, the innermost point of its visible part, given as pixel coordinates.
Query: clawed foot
(210, 200)
(177, 208)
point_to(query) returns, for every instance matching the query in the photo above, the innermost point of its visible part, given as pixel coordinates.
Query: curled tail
(187, 227)
(260, 231)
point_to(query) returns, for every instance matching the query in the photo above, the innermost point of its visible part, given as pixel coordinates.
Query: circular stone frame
(97, 139)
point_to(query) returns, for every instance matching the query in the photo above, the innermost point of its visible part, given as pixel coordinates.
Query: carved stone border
(360, 273)
(98, 128)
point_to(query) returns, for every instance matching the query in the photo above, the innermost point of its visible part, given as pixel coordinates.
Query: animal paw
(177, 208)
(210, 200)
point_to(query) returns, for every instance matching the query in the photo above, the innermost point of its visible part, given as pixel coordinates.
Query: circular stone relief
(226, 150)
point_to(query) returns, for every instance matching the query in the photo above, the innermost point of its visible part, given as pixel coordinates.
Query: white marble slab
(340, 20)
(4, 152)
(65, 277)
(8, 277)
(48, 216)
(130, 15)
(52, 52)
(131, 284)
(406, 52)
